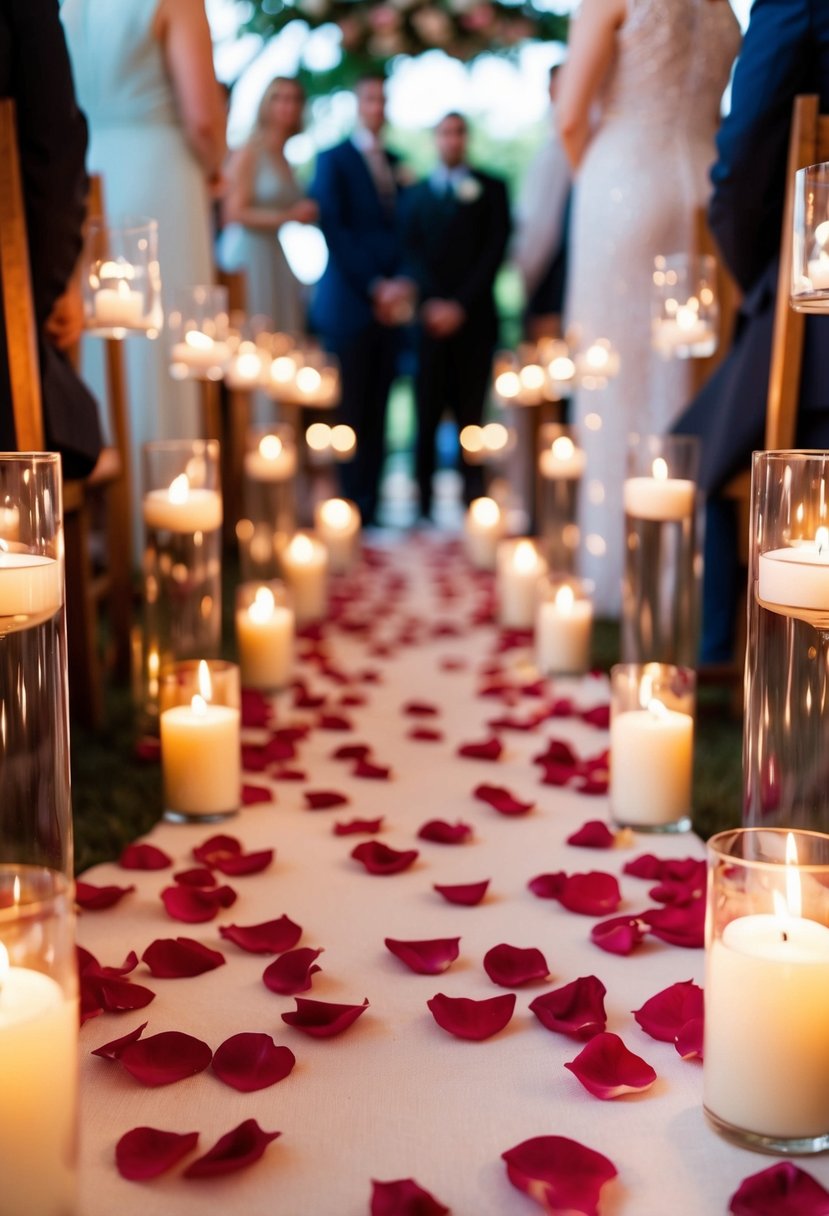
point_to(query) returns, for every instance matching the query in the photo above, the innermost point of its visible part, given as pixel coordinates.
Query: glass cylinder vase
(268, 498)
(810, 240)
(35, 799)
(561, 465)
(199, 328)
(685, 306)
(121, 279)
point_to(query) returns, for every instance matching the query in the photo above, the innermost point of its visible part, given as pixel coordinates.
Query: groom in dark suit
(362, 300)
(455, 230)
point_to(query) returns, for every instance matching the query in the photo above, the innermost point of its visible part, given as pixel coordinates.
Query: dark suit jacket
(35, 71)
(362, 237)
(785, 52)
(455, 246)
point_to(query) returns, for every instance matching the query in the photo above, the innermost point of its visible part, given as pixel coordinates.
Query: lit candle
(38, 1097)
(337, 524)
(245, 368)
(201, 755)
(518, 569)
(200, 352)
(119, 307)
(685, 330)
(271, 460)
(483, 529)
(265, 640)
(305, 569)
(562, 459)
(651, 765)
(31, 586)
(796, 577)
(819, 272)
(343, 441)
(659, 497)
(181, 508)
(562, 633)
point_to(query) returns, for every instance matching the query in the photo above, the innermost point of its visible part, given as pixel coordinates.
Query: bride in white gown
(638, 109)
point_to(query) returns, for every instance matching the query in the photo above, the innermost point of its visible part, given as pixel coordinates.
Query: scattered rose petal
(558, 752)
(598, 716)
(487, 749)
(378, 858)
(593, 894)
(244, 863)
(678, 926)
(466, 893)
(102, 993)
(289, 774)
(595, 834)
(426, 957)
(403, 1198)
(501, 800)
(689, 1039)
(440, 832)
(513, 722)
(292, 971)
(547, 886)
(607, 1069)
(374, 772)
(620, 934)
(323, 800)
(164, 1058)
(96, 899)
(269, 937)
(249, 1062)
(511, 966)
(351, 751)
(322, 1019)
(664, 1015)
(217, 848)
(89, 965)
(147, 1152)
(194, 905)
(645, 866)
(252, 795)
(576, 1009)
(306, 700)
(563, 1176)
(175, 958)
(198, 876)
(421, 709)
(144, 857)
(595, 784)
(356, 826)
(113, 1049)
(256, 708)
(148, 749)
(334, 722)
(468, 1019)
(233, 1151)
(280, 746)
(783, 1189)
(425, 734)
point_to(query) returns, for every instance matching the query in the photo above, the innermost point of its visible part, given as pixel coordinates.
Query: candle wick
(785, 936)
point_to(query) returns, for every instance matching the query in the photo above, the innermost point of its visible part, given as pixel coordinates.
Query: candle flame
(563, 448)
(270, 446)
(532, 376)
(205, 683)
(507, 385)
(318, 436)
(562, 368)
(261, 609)
(301, 548)
(198, 340)
(248, 365)
(822, 541)
(179, 490)
(283, 369)
(565, 598)
(794, 894)
(525, 557)
(485, 511)
(660, 469)
(308, 380)
(657, 709)
(646, 691)
(336, 513)
(472, 438)
(343, 438)
(495, 436)
(198, 705)
(597, 356)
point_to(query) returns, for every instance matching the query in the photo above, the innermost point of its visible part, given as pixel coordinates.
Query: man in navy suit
(785, 52)
(362, 300)
(455, 230)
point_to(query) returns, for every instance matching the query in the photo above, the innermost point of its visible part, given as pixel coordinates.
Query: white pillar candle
(271, 460)
(659, 497)
(796, 577)
(181, 508)
(651, 766)
(483, 528)
(562, 460)
(819, 272)
(305, 569)
(119, 307)
(337, 523)
(31, 585)
(265, 640)
(562, 634)
(685, 329)
(201, 755)
(38, 1094)
(519, 567)
(10, 524)
(199, 351)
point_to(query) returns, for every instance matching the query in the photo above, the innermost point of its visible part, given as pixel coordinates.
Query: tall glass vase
(561, 465)
(269, 499)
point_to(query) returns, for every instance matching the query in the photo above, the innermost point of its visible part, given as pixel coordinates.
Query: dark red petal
(193, 905)
(86, 960)
(351, 700)
(197, 877)
(558, 774)
(355, 826)
(689, 1039)
(256, 708)
(426, 957)
(595, 834)
(563, 1176)
(440, 832)
(378, 858)
(147, 1152)
(487, 749)
(322, 1019)
(501, 800)
(289, 774)
(466, 893)
(92, 965)
(164, 1058)
(175, 958)
(113, 995)
(403, 1198)
(254, 758)
(254, 794)
(620, 934)
(374, 772)
(112, 1050)
(468, 1019)
(232, 1151)
(644, 866)
(425, 734)
(249, 1062)
(420, 709)
(664, 1015)
(244, 863)
(598, 716)
(144, 857)
(95, 899)
(783, 1189)
(292, 971)
(607, 1069)
(558, 752)
(216, 848)
(510, 966)
(269, 937)
(279, 747)
(351, 751)
(677, 926)
(593, 894)
(321, 800)
(594, 784)
(576, 1009)
(148, 749)
(291, 734)
(547, 886)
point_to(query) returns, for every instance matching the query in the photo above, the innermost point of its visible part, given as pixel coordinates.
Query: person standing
(362, 299)
(455, 231)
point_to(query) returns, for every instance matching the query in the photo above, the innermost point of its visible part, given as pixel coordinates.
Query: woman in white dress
(144, 77)
(638, 109)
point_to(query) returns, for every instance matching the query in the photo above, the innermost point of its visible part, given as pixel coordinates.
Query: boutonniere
(468, 190)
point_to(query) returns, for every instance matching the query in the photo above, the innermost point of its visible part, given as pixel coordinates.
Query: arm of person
(182, 30)
(238, 205)
(592, 47)
(481, 278)
(362, 262)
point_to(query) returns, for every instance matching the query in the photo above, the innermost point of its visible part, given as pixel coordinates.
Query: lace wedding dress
(644, 173)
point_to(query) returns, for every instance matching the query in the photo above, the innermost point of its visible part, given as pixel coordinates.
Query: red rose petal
(664, 1015)
(351, 751)
(501, 800)
(595, 834)
(334, 722)
(425, 734)
(563, 1176)
(683, 926)
(558, 774)
(89, 965)
(280, 747)
(257, 709)
(421, 709)
(144, 857)
(607, 1069)
(249, 1062)
(594, 785)
(269, 937)
(147, 1152)
(175, 958)
(783, 1189)
(378, 858)
(244, 863)
(197, 877)
(194, 905)
(233, 1151)
(403, 1198)
(689, 1039)
(547, 886)
(466, 893)
(511, 966)
(96, 899)
(254, 758)
(598, 716)
(440, 832)
(468, 1019)
(645, 866)
(487, 749)
(113, 1049)
(619, 935)
(289, 774)
(217, 848)
(355, 826)
(112, 995)
(322, 800)
(164, 1058)
(512, 722)
(426, 957)
(558, 752)
(252, 795)
(292, 971)
(322, 1019)
(576, 1009)
(593, 894)
(374, 772)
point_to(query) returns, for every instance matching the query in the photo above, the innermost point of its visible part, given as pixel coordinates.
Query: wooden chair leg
(85, 676)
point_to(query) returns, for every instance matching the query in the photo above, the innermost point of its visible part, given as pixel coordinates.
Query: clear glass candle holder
(563, 625)
(200, 347)
(685, 310)
(38, 1043)
(121, 279)
(265, 631)
(182, 562)
(651, 746)
(35, 798)
(661, 579)
(268, 499)
(560, 469)
(518, 568)
(810, 240)
(200, 723)
(483, 530)
(337, 524)
(766, 1051)
(303, 562)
